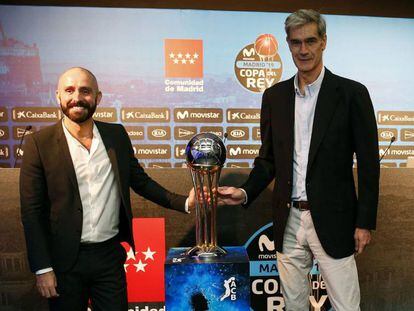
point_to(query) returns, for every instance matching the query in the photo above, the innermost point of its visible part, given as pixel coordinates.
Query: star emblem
(140, 266)
(175, 61)
(187, 55)
(149, 254)
(130, 254)
(172, 55)
(179, 55)
(195, 56)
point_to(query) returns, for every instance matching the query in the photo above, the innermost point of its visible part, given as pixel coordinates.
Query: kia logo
(237, 133)
(386, 134)
(159, 133)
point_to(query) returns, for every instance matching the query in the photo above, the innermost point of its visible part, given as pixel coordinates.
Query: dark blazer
(51, 206)
(344, 124)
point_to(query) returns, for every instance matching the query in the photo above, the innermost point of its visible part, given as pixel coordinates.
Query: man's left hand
(362, 238)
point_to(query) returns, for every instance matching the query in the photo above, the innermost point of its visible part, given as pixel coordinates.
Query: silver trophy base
(206, 251)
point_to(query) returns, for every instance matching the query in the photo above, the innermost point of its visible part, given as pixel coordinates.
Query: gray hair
(303, 17)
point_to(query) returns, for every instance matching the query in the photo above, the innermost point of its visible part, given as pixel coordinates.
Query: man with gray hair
(311, 127)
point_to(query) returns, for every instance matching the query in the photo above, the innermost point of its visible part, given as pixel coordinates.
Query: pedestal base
(214, 283)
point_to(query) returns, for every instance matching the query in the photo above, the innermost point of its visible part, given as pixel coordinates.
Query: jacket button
(289, 182)
(288, 205)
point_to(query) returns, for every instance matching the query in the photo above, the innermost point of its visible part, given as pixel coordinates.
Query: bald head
(78, 94)
(79, 71)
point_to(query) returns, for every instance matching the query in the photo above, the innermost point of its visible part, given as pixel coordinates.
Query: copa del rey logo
(145, 267)
(183, 58)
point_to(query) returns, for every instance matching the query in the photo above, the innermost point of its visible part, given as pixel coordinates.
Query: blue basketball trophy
(206, 276)
(205, 155)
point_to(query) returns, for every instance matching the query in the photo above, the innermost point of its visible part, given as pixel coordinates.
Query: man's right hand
(46, 284)
(230, 196)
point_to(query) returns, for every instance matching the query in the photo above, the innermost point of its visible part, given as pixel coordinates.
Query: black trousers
(98, 277)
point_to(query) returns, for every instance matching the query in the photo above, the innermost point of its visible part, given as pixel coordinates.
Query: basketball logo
(258, 65)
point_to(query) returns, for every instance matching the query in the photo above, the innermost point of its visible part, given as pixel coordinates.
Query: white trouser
(300, 245)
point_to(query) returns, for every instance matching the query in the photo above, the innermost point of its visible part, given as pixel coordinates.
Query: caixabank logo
(258, 65)
(36, 114)
(265, 289)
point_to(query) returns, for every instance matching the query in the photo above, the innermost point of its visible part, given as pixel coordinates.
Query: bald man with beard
(75, 185)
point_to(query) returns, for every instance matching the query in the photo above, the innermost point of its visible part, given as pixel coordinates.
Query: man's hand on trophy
(191, 200)
(231, 196)
(199, 196)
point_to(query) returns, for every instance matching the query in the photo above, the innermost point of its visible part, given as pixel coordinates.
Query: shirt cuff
(186, 207)
(45, 270)
(245, 195)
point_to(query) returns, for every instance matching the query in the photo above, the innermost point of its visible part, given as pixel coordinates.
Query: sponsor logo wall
(194, 73)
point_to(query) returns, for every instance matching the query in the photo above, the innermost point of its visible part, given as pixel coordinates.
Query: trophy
(205, 155)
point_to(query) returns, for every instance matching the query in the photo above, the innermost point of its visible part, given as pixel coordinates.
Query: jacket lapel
(325, 107)
(67, 159)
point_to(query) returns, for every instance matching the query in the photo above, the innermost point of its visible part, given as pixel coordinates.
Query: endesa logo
(135, 132)
(183, 58)
(216, 130)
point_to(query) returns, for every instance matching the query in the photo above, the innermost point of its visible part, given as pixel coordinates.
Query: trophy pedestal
(211, 283)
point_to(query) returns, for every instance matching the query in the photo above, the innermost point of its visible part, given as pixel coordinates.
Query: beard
(80, 117)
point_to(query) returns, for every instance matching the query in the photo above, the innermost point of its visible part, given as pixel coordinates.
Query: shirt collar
(312, 88)
(70, 137)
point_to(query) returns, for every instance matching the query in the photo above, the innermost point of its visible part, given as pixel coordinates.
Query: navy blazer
(344, 125)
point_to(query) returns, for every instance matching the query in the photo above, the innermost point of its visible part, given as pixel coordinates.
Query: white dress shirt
(304, 114)
(98, 189)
